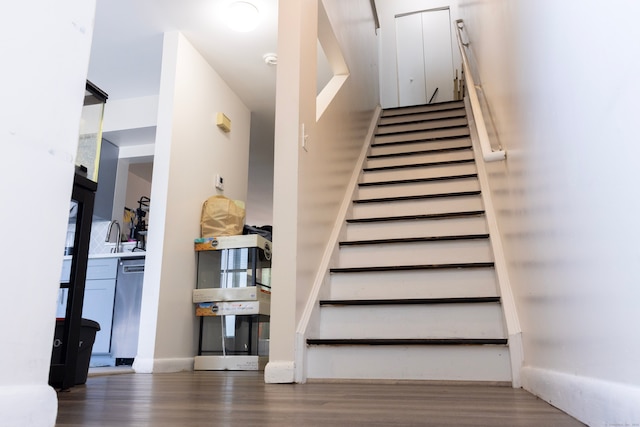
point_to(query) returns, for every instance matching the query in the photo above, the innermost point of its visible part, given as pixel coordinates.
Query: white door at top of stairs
(424, 57)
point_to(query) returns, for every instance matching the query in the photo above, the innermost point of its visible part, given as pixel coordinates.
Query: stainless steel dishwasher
(126, 311)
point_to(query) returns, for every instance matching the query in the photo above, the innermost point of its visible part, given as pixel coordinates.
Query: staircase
(414, 295)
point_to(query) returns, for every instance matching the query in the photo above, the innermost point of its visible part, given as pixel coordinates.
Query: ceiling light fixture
(270, 58)
(242, 16)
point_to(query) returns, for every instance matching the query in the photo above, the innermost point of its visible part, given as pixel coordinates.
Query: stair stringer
(309, 321)
(511, 319)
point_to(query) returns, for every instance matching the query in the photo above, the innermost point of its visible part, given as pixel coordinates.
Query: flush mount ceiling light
(270, 58)
(242, 16)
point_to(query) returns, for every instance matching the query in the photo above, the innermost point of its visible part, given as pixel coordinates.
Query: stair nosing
(411, 301)
(421, 152)
(404, 132)
(451, 266)
(417, 141)
(429, 239)
(411, 118)
(419, 165)
(411, 122)
(407, 341)
(406, 107)
(417, 197)
(419, 180)
(438, 216)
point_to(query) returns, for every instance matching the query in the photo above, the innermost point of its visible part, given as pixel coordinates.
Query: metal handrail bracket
(487, 152)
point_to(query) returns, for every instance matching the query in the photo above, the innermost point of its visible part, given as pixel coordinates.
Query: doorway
(424, 57)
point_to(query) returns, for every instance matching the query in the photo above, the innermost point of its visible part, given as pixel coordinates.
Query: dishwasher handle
(131, 269)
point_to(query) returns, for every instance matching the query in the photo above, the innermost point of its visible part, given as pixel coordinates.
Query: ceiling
(126, 53)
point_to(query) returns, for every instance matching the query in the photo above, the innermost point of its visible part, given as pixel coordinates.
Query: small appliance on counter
(137, 224)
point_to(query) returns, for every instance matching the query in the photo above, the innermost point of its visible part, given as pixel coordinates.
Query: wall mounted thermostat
(219, 182)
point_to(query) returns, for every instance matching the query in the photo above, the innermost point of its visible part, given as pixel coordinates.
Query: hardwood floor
(218, 398)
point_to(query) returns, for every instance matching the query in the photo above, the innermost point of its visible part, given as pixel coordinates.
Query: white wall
(136, 187)
(130, 113)
(561, 81)
(387, 10)
(309, 185)
(260, 189)
(40, 117)
(190, 150)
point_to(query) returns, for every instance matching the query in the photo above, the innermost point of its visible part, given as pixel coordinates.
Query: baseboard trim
(592, 401)
(28, 405)
(436, 383)
(155, 366)
(279, 372)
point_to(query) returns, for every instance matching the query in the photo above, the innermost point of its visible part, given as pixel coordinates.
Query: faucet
(118, 236)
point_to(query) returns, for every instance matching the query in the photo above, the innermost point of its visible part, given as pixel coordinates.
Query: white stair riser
(419, 188)
(421, 116)
(409, 127)
(412, 321)
(417, 207)
(427, 134)
(413, 228)
(419, 158)
(446, 283)
(419, 146)
(422, 109)
(446, 363)
(415, 253)
(415, 173)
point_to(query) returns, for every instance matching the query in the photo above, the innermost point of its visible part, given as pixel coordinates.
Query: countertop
(136, 254)
(122, 255)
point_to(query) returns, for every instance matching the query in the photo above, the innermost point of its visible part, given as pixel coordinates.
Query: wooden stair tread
(419, 180)
(412, 301)
(416, 141)
(421, 125)
(451, 266)
(404, 132)
(411, 110)
(419, 165)
(396, 111)
(437, 216)
(418, 197)
(425, 120)
(407, 341)
(414, 153)
(415, 239)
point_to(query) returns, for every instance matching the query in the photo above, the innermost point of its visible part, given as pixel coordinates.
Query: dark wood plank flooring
(242, 399)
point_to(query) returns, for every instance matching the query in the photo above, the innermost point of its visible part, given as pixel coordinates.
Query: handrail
(487, 152)
(374, 9)
(433, 96)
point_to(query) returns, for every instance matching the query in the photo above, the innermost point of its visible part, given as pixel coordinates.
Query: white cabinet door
(61, 308)
(424, 57)
(438, 55)
(99, 296)
(410, 51)
(98, 306)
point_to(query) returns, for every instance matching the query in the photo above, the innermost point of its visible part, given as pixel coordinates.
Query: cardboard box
(223, 308)
(250, 293)
(232, 242)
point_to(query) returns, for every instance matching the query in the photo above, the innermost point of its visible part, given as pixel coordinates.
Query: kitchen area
(115, 250)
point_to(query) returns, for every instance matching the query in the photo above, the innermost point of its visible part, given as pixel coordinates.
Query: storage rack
(232, 297)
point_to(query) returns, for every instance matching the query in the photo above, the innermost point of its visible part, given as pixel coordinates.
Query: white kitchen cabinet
(99, 295)
(98, 306)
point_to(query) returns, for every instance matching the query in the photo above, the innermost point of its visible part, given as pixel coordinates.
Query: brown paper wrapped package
(221, 216)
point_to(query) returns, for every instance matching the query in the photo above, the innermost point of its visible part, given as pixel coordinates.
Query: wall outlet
(219, 182)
